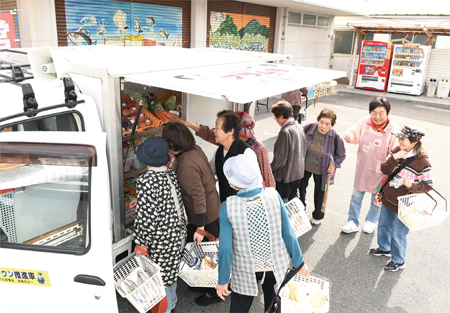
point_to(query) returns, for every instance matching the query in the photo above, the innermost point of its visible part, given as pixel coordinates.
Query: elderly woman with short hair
(196, 179)
(373, 136)
(322, 140)
(288, 164)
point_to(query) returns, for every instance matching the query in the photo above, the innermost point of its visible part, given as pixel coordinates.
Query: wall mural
(122, 24)
(226, 34)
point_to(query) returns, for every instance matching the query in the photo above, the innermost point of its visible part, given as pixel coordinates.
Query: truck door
(55, 223)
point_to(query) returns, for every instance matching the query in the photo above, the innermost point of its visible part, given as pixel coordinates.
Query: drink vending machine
(374, 63)
(408, 69)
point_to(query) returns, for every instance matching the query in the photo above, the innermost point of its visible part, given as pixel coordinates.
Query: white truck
(63, 221)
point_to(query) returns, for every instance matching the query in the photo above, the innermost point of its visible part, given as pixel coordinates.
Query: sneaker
(315, 222)
(378, 252)
(394, 267)
(350, 228)
(369, 227)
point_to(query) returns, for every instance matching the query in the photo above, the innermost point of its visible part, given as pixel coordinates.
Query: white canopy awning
(240, 83)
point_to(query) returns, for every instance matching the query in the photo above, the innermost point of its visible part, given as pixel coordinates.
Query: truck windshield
(68, 121)
(44, 196)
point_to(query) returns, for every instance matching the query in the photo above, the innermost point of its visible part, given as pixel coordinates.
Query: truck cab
(54, 200)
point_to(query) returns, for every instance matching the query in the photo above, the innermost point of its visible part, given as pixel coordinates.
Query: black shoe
(207, 299)
(394, 267)
(378, 252)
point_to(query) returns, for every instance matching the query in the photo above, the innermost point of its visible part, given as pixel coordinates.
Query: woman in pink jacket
(373, 135)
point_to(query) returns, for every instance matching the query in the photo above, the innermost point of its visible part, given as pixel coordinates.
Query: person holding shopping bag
(257, 241)
(160, 224)
(409, 171)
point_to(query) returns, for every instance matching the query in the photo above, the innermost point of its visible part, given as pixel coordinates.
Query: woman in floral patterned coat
(160, 224)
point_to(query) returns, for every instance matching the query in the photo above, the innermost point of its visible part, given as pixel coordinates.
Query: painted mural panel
(107, 22)
(228, 32)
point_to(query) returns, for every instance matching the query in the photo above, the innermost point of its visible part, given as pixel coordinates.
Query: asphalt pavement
(359, 282)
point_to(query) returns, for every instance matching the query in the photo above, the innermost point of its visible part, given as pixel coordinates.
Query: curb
(350, 91)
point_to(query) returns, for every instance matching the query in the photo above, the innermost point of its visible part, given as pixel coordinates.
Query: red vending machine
(374, 62)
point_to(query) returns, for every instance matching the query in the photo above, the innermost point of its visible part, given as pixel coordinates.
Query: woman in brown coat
(197, 183)
(198, 189)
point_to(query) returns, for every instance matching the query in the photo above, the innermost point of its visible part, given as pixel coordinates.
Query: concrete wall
(37, 20)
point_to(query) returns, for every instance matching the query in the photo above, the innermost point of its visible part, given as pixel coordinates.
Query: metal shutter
(75, 20)
(242, 13)
(439, 65)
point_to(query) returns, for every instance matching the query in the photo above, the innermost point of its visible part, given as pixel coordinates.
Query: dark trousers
(287, 190)
(295, 110)
(241, 303)
(318, 193)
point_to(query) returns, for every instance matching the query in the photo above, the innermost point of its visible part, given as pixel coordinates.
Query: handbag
(379, 196)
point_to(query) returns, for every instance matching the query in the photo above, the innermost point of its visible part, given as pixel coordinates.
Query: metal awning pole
(355, 47)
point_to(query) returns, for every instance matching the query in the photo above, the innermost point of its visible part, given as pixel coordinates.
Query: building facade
(301, 29)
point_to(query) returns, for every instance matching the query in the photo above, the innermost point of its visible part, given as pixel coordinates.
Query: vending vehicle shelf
(144, 132)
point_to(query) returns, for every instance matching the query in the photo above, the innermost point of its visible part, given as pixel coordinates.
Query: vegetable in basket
(170, 104)
(155, 105)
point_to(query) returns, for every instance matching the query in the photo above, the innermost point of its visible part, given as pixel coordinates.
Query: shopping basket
(297, 216)
(422, 210)
(148, 294)
(194, 276)
(312, 295)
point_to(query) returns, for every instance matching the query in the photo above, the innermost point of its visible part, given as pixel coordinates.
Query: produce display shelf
(142, 133)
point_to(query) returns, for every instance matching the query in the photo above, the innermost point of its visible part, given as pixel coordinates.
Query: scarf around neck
(380, 127)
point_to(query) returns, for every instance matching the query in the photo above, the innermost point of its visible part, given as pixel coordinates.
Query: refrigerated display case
(408, 69)
(374, 63)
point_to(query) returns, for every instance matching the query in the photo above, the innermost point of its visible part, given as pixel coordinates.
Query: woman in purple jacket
(322, 140)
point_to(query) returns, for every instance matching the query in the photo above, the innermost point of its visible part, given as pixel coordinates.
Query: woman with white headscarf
(257, 241)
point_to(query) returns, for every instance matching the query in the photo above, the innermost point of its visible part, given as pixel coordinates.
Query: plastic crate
(195, 276)
(148, 116)
(422, 210)
(297, 216)
(315, 286)
(150, 293)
